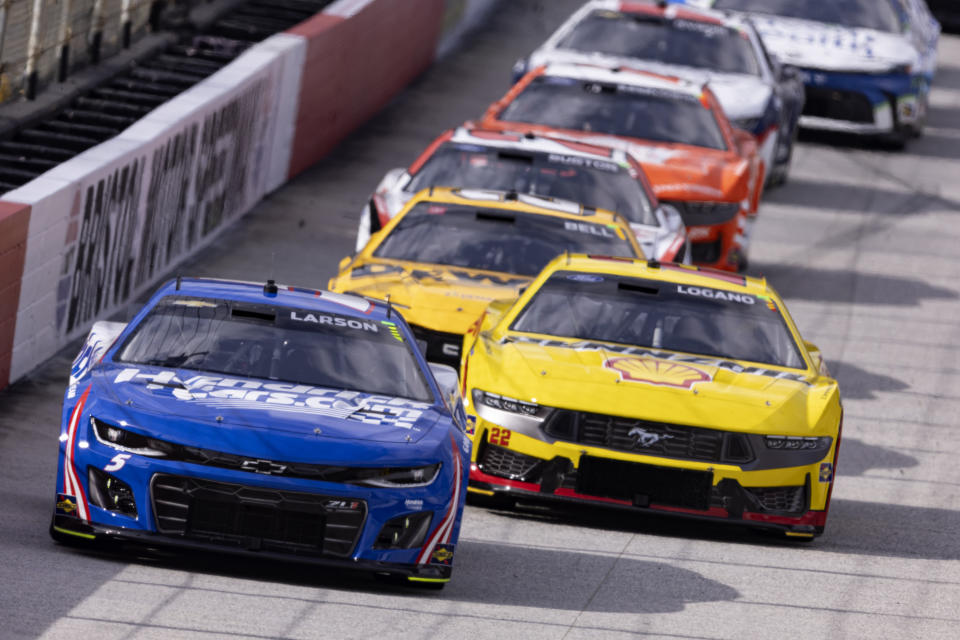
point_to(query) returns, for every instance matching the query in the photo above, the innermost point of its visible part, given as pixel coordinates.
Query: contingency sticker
(442, 554)
(657, 372)
(826, 472)
(66, 505)
(252, 395)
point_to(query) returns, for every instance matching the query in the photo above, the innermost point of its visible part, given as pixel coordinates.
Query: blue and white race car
(276, 421)
(867, 64)
(756, 93)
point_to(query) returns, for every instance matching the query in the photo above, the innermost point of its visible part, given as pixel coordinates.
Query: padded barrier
(95, 232)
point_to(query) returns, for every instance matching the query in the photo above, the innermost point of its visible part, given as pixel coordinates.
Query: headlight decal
(505, 403)
(510, 413)
(795, 443)
(123, 439)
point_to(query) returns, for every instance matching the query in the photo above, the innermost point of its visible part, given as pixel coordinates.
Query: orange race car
(696, 160)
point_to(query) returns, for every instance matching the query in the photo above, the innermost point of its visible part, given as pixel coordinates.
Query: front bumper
(193, 506)
(862, 103)
(793, 500)
(721, 243)
(93, 533)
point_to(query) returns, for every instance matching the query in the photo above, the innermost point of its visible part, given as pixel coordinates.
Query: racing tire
(781, 170)
(897, 140)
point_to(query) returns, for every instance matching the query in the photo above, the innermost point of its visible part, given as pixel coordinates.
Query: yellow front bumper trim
(85, 536)
(435, 580)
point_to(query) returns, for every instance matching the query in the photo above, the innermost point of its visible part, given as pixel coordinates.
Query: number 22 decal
(117, 462)
(500, 436)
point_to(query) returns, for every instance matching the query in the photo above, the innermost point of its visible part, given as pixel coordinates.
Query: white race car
(757, 93)
(867, 64)
(593, 175)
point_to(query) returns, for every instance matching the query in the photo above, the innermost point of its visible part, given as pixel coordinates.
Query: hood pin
(219, 418)
(317, 431)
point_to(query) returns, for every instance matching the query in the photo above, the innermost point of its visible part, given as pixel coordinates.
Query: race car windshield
(619, 110)
(660, 315)
(494, 239)
(277, 343)
(866, 14)
(689, 43)
(596, 183)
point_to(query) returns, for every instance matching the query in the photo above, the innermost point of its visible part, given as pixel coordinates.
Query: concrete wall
(93, 233)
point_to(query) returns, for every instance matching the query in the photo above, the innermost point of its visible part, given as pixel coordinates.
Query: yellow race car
(650, 386)
(450, 252)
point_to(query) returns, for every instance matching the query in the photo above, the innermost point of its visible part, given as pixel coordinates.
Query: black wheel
(782, 161)
(896, 141)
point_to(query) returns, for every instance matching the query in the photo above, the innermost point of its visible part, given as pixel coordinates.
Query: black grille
(849, 106)
(254, 518)
(790, 499)
(650, 438)
(498, 461)
(441, 347)
(706, 252)
(644, 484)
(706, 213)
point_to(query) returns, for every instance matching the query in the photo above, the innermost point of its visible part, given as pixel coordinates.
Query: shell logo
(660, 373)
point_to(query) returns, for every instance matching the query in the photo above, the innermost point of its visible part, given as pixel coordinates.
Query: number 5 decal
(117, 462)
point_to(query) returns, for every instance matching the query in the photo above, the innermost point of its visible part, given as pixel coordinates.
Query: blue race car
(867, 64)
(275, 421)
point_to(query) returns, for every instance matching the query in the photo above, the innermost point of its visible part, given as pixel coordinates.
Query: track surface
(862, 242)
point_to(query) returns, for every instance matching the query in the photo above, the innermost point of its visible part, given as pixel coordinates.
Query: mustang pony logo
(657, 372)
(646, 438)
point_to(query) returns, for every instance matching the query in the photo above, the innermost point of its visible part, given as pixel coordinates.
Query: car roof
(664, 272)
(261, 293)
(513, 201)
(671, 12)
(537, 144)
(625, 76)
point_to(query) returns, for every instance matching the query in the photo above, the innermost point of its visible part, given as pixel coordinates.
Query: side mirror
(789, 72)
(393, 177)
(519, 70)
(344, 263)
(817, 357)
(447, 378)
(449, 383)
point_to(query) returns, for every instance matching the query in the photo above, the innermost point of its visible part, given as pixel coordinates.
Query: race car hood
(657, 386)
(741, 95)
(679, 172)
(183, 399)
(830, 47)
(441, 298)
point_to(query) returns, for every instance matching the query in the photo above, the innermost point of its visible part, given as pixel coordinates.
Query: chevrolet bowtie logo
(263, 466)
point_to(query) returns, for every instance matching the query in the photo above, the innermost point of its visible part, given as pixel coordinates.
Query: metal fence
(44, 40)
